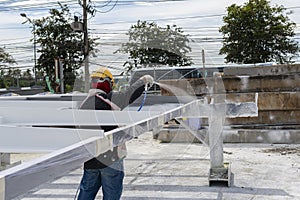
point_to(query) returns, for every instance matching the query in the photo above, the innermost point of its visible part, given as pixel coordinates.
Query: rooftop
(166, 171)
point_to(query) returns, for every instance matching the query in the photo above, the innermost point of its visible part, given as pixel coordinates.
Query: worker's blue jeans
(110, 178)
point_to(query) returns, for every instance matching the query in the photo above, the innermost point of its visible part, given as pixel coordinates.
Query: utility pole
(86, 48)
(34, 54)
(59, 75)
(34, 45)
(203, 63)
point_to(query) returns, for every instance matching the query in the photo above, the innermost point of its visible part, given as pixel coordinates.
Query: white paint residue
(245, 81)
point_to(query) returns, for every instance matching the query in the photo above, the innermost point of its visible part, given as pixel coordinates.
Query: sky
(199, 19)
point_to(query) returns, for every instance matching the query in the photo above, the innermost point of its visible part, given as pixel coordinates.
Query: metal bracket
(219, 176)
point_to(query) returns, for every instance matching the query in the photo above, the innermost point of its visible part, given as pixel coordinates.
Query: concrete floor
(166, 171)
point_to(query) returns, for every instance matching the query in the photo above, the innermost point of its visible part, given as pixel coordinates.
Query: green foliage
(15, 78)
(150, 45)
(5, 58)
(56, 39)
(258, 33)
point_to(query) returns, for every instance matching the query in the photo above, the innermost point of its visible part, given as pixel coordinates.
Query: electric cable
(199, 37)
(77, 192)
(108, 9)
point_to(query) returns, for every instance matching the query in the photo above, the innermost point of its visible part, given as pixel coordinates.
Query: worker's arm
(123, 99)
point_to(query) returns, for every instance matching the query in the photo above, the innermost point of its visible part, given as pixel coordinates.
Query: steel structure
(59, 124)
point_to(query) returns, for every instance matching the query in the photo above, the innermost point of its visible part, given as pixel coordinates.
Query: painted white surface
(69, 117)
(35, 140)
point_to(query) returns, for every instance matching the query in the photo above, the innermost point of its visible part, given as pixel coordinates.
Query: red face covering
(105, 86)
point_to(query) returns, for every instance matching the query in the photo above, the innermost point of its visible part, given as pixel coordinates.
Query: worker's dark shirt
(121, 99)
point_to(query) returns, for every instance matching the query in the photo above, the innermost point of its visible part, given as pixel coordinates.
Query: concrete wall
(278, 89)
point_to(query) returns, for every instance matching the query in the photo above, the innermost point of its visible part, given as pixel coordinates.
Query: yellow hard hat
(103, 72)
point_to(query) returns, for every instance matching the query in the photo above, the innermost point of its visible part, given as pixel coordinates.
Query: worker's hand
(147, 79)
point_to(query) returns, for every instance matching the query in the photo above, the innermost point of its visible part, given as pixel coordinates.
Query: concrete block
(278, 88)
(234, 84)
(263, 136)
(175, 135)
(262, 70)
(269, 100)
(273, 117)
(271, 83)
(268, 136)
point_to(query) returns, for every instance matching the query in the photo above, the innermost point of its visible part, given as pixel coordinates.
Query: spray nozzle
(148, 86)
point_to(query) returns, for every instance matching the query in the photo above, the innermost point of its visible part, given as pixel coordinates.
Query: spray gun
(148, 85)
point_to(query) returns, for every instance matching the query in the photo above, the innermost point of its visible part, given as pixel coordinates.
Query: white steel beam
(26, 176)
(29, 116)
(38, 104)
(41, 140)
(52, 97)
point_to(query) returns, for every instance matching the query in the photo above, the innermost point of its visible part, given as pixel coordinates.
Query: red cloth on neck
(105, 86)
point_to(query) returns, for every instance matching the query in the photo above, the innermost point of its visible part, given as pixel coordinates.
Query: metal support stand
(219, 172)
(217, 111)
(220, 175)
(4, 159)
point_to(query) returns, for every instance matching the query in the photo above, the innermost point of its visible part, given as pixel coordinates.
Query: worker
(107, 170)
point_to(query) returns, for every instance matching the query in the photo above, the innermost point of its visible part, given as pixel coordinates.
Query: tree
(57, 40)
(25, 78)
(258, 33)
(151, 45)
(5, 58)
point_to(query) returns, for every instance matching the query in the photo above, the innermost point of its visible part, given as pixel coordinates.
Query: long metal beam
(29, 116)
(26, 176)
(51, 97)
(38, 104)
(41, 140)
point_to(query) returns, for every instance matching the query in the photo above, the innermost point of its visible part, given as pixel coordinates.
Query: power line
(6, 6)
(199, 30)
(110, 9)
